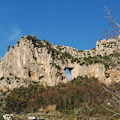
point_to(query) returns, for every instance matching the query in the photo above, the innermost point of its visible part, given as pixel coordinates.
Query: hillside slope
(32, 60)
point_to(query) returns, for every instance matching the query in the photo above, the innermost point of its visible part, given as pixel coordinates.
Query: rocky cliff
(32, 60)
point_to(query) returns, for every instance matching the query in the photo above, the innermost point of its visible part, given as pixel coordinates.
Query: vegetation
(81, 96)
(113, 22)
(8, 48)
(56, 66)
(33, 38)
(55, 53)
(107, 60)
(109, 44)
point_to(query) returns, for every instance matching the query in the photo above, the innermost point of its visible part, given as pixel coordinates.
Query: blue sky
(76, 23)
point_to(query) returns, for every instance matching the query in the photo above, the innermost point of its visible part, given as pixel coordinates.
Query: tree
(29, 37)
(8, 48)
(113, 104)
(113, 22)
(34, 37)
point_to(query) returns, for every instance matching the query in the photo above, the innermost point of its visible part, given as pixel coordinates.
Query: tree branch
(115, 113)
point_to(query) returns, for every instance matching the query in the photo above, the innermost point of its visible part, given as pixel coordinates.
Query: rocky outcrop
(32, 60)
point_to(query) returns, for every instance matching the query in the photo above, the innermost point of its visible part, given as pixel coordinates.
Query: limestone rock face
(31, 61)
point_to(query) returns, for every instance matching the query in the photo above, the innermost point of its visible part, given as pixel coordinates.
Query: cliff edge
(35, 61)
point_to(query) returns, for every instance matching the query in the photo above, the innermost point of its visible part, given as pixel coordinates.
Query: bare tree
(113, 21)
(113, 105)
(8, 48)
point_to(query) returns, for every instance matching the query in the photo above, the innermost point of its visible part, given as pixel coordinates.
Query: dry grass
(48, 108)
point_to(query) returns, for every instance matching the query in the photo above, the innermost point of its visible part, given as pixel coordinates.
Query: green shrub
(47, 111)
(29, 37)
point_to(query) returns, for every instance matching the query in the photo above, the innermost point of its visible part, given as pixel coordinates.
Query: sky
(75, 23)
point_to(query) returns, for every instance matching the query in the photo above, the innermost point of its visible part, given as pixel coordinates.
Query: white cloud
(10, 32)
(15, 33)
(9, 35)
(68, 76)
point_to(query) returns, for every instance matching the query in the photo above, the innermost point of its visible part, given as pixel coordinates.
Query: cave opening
(68, 73)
